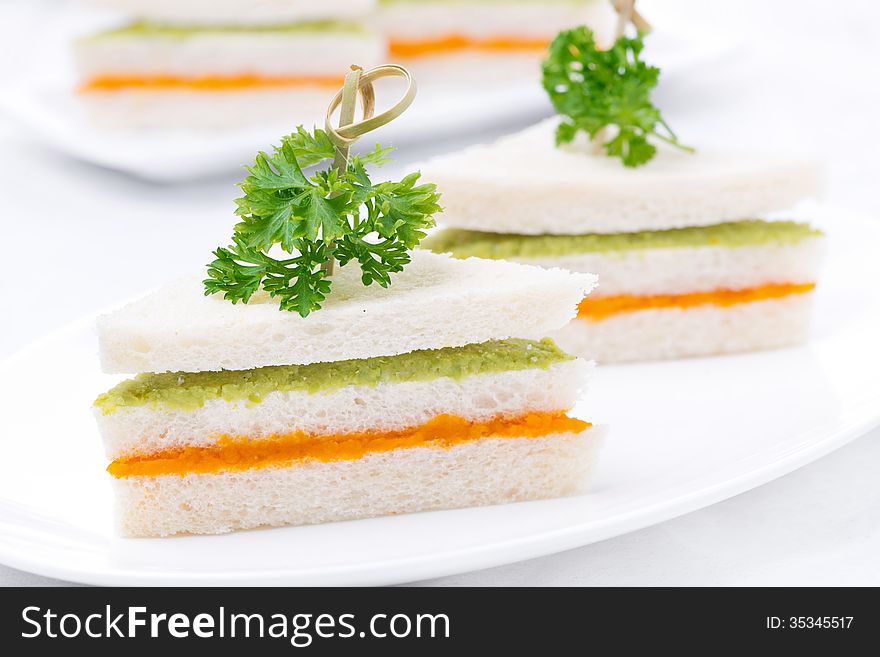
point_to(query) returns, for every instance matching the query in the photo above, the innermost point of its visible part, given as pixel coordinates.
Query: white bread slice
(482, 69)
(524, 184)
(541, 19)
(656, 334)
(476, 71)
(206, 110)
(686, 270)
(482, 472)
(236, 12)
(142, 430)
(435, 302)
(229, 53)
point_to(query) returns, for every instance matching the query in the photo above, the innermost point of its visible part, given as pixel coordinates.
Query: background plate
(40, 99)
(683, 435)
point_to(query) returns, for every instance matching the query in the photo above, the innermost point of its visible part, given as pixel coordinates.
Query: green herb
(315, 220)
(594, 89)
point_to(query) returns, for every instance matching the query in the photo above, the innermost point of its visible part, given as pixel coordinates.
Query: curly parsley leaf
(377, 260)
(309, 148)
(300, 283)
(329, 216)
(595, 89)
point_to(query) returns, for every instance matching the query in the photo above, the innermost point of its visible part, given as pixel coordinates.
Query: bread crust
(665, 333)
(435, 302)
(143, 430)
(569, 190)
(482, 472)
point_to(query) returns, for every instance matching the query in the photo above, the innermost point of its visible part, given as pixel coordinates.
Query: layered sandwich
(692, 253)
(489, 41)
(150, 73)
(437, 392)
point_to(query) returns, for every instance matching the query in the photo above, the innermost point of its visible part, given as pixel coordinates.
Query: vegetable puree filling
(603, 307)
(732, 234)
(208, 82)
(190, 391)
(398, 47)
(150, 30)
(239, 453)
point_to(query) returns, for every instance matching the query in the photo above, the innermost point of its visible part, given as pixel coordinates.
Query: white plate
(43, 103)
(683, 435)
(54, 116)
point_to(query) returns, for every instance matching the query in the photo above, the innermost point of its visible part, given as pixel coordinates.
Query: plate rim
(400, 570)
(494, 553)
(486, 555)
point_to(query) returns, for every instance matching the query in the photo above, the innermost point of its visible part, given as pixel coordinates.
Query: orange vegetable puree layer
(208, 82)
(603, 307)
(454, 42)
(241, 453)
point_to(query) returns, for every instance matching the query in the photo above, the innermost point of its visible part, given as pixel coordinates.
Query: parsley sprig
(293, 227)
(595, 89)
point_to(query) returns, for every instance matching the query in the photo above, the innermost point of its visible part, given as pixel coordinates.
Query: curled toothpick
(626, 14)
(360, 83)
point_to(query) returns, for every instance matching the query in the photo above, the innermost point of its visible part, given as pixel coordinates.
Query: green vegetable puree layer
(145, 29)
(734, 234)
(189, 391)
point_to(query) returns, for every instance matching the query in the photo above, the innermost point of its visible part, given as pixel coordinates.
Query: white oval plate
(683, 435)
(42, 102)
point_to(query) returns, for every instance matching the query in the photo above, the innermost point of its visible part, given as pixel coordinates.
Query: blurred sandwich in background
(194, 63)
(236, 12)
(484, 41)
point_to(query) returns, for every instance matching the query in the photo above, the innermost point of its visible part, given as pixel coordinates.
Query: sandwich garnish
(607, 93)
(294, 227)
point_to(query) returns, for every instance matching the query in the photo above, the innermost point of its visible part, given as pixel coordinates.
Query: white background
(75, 238)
